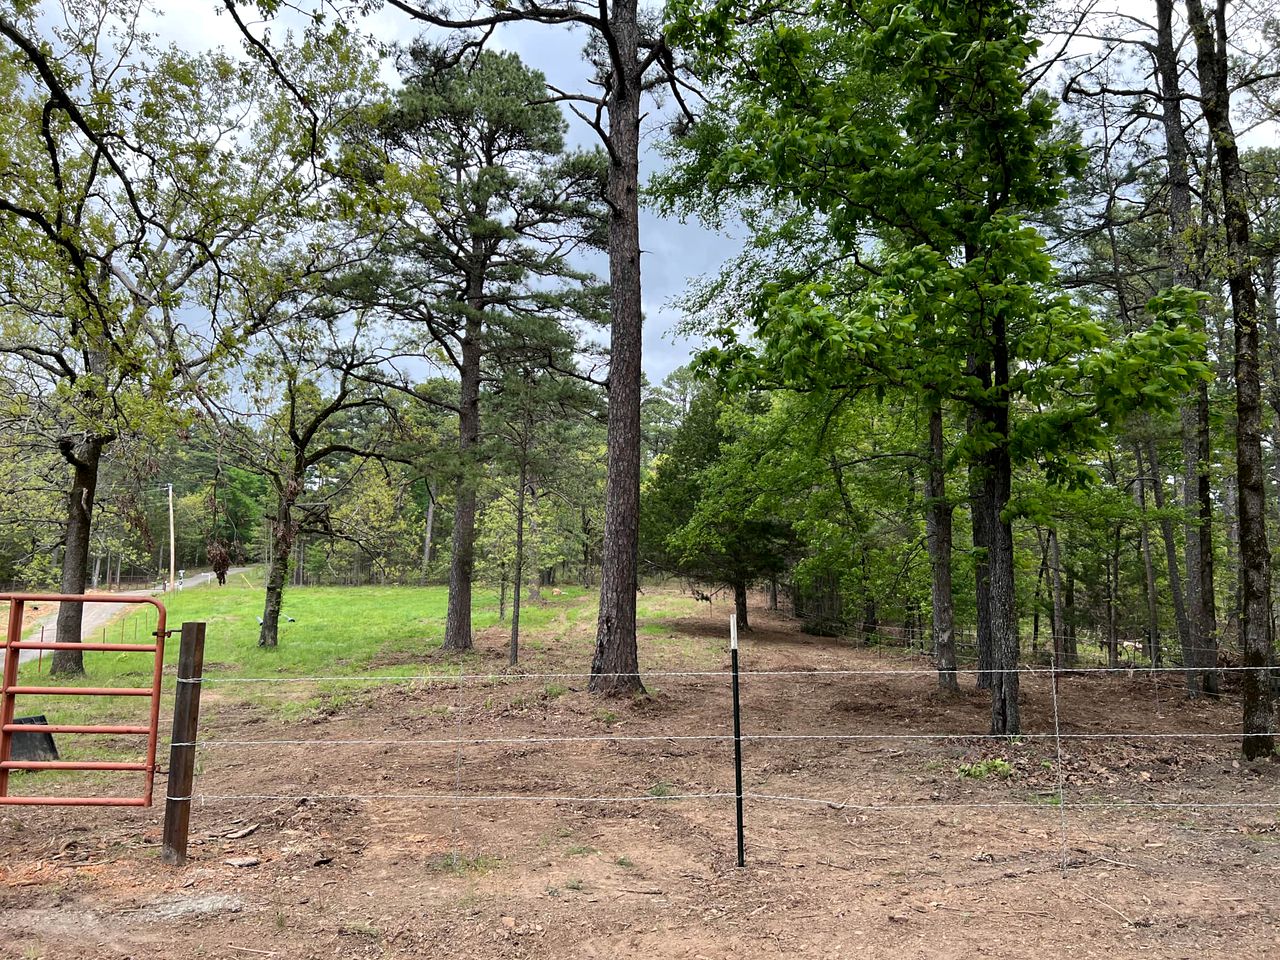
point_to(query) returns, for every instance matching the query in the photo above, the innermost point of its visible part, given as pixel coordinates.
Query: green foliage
(995, 768)
(912, 125)
(703, 515)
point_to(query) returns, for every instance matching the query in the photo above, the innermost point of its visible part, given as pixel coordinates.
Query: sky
(673, 253)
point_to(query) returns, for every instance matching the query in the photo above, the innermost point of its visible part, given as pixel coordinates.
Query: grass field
(355, 629)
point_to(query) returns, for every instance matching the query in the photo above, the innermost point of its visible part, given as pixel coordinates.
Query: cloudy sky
(673, 252)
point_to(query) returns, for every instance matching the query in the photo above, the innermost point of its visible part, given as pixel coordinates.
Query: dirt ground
(908, 857)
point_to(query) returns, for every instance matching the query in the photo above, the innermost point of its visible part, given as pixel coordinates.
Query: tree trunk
(1170, 554)
(1113, 591)
(457, 629)
(1231, 578)
(587, 566)
(1255, 553)
(1196, 451)
(1207, 591)
(980, 513)
(999, 479)
(1035, 601)
(773, 593)
(615, 668)
(870, 615)
(513, 655)
(282, 532)
(1004, 624)
(938, 513)
(544, 576)
(1268, 277)
(430, 532)
(1148, 567)
(85, 456)
(740, 604)
(1055, 589)
(1069, 621)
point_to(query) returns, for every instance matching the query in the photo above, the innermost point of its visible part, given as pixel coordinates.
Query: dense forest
(996, 372)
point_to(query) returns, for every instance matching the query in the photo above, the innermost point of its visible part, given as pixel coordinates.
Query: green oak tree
(141, 191)
(912, 133)
(703, 513)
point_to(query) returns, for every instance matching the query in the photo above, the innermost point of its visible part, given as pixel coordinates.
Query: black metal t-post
(737, 731)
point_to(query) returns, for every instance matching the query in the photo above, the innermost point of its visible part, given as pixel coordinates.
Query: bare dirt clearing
(910, 858)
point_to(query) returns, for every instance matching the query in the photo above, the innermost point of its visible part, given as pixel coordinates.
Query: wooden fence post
(182, 746)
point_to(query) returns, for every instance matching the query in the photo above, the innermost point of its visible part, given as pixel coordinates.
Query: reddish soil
(910, 858)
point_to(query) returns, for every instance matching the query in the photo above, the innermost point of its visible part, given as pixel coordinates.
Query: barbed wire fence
(1060, 736)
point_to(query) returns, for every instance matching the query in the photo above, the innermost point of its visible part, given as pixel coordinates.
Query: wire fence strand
(713, 737)
(1134, 672)
(834, 804)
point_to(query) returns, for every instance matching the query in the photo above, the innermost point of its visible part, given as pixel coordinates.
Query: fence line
(1017, 804)
(720, 737)
(459, 798)
(844, 804)
(1062, 803)
(1134, 672)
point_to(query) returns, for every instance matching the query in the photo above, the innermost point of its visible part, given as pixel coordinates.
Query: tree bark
(1148, 567)
(1170, 553)
(457, 629)
(1055, 589)
(615, 668)
(1206, 591)
(1069, 621)
(740, 604)
(1113, 588)
(1230, 581)
(544, 576)
(513, 654)
(938, 515)
(283, 531)
(1197, 493)
(980, 513)
(1255, 553)
(85, 457)
(1005, 651)
(1035, 600)
(430, 532)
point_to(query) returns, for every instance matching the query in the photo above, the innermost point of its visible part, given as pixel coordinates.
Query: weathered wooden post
(182, 746)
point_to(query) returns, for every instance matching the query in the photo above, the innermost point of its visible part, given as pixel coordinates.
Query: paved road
(99, 615)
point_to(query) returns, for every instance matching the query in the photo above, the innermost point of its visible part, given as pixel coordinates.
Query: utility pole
(173, 559)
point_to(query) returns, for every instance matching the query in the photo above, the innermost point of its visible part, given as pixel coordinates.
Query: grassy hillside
(334, 629)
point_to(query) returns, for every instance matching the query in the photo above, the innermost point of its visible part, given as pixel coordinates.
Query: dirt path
(332, 840)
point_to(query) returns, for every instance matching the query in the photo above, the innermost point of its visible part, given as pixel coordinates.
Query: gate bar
(122, 730)
(8, 677)
(73, 765)
(94, 647)
(79, 691)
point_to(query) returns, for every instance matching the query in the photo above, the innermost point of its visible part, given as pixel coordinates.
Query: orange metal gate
(11, 690)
